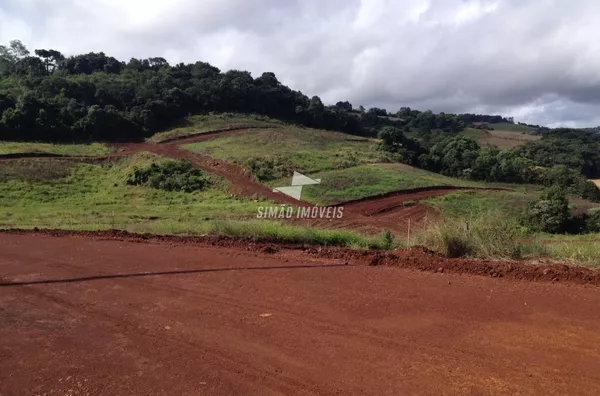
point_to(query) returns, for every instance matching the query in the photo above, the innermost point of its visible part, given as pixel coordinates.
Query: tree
(51, 58)
(345, 106)
(10, 56)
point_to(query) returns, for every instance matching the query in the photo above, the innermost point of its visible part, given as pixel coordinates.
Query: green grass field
(199, 124)
(49, 193)
(465, 204)
(92, 149)
(302, 149)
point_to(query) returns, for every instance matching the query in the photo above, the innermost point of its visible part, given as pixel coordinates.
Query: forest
(94, 97)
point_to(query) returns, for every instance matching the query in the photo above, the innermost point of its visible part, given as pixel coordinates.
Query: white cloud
(538, 61)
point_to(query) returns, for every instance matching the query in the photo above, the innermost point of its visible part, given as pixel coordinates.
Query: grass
(92, 149)
(199, 124)
(483, 235)
(79, 196)
(93, 195)
(301, 149)
(468, 203)
(372, 179)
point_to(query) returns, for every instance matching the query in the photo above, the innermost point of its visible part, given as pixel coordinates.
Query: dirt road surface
(87, 316)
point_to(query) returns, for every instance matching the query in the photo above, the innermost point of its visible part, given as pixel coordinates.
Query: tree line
(563, 157)
(94, 97)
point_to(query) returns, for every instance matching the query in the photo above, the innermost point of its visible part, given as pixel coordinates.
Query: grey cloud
(538, 61)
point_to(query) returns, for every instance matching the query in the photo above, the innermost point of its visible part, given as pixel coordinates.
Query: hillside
(211, 174)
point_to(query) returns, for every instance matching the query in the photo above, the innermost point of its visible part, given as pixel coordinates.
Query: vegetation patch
(486, 235)
(34, 171)
(173, 175)
(75, 150)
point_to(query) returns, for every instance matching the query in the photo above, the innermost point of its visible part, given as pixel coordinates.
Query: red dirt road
(92, 316)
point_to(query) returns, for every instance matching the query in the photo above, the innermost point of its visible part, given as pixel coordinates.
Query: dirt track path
(219, 321)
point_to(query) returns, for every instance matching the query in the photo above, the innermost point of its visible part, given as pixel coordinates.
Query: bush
(174, 175)
(550, 213)
(266, 169)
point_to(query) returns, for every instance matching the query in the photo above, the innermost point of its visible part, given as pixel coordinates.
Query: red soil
(98, 314)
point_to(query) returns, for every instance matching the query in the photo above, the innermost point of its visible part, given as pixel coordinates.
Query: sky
(535, 60)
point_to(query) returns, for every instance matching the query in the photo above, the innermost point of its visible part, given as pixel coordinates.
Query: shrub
(266, 169)
(592, 221)
(550, 213)
(173, 175)
(387, 239)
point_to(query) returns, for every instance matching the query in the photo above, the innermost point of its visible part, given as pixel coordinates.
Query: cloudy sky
(536, 60)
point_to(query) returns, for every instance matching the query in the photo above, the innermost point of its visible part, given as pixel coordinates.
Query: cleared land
(300, 149)
(500, 139)
(105, 317)
(350, 167)
(92, 149)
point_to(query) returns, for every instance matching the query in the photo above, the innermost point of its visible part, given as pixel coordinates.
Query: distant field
(502, 140)
(597, 182)
(505, 126)
(200, 124)
(92, 149)
(298, 149)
